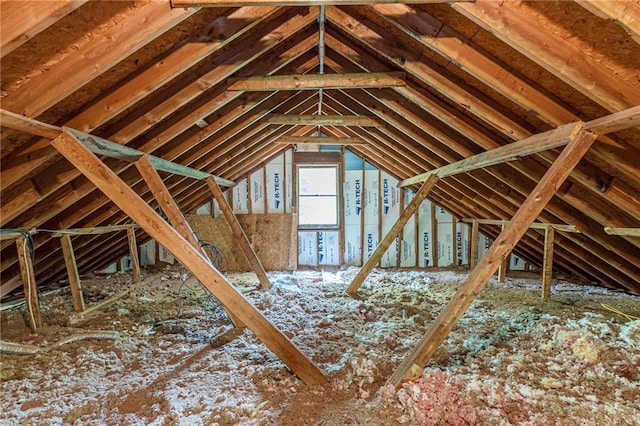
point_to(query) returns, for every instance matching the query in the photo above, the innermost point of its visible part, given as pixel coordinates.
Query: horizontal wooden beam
(19, 122)
(541, 142)
(93, 231)
(535, 225)
(630, 232)
(318, 81)
(324, 120)
(319, 140)
(100, 146)
(241, 3)
(614, 122)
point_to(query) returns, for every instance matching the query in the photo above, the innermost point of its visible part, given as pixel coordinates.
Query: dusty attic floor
(513, 359)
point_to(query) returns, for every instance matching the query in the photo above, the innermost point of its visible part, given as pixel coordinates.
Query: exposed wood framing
(173, 212)
(531, 145)
(107, 148)
(238, 232)
(38, 16)
(504, 265)
(120, 193)
(323, 120)
(97, 230)
(473, 250)
(624, 13)
(390, 236)
(72, 272)
(289, 140)
(535, 225)
(240, 3)
(29, 283)
(15, 121)
(547, 263)
(498, 251)
(317, 81)
(564, 60)
(632, 232)
(133, 252)
(108, 45)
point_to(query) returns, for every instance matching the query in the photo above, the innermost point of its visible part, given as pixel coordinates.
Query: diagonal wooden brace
(172, 210)
(499, 250)
(389, 237)
(238, 232)
(134, 206)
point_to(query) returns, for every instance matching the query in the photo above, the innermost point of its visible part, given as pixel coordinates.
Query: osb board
(269, 235)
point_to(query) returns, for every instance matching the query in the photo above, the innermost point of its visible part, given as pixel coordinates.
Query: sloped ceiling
(479, 75)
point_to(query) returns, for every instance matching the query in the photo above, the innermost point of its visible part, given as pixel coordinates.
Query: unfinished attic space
(296, 212)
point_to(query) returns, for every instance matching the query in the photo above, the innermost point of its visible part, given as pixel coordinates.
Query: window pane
(321, 210)
(317, 180)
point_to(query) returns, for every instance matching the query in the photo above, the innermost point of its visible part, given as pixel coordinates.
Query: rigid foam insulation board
(352, 197)
(352, 201)
(484, 243)
(241, 197)
(446, 241)
(288, 189)
(269, 235)
(390, 213)
(204, 209)
(370, 240)
(148, 253)
(307, 248)
(328, 248)
(425, 257)
(443, 216)
(516, 263)
(217, 211)
(257, 192)
(352, 245)
(370, 197)
(275, 185)
(408, 245)
(462, 243)
(164, 255)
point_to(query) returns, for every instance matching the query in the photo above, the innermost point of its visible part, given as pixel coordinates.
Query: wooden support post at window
(238, 232)
(502, 270)
(547, 263)
(391, 235)
(473, 255)
(499, 250)
(72, 272)
(173, 212)
(133, 250)
(29, 283)
(192, 258)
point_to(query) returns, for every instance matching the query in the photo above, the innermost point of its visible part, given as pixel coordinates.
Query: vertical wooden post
(502, 269)
(506, 241)
(133, 250)
(434, 237)
(547, 263)
(454, 234)
(473, 255)
(384, 244)
(193, 259)
(238, 232)
(72, 272)
(29, 283)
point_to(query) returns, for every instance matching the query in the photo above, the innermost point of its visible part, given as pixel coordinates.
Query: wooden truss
(182, 247)
(578, 138)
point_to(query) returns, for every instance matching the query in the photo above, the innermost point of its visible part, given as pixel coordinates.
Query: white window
(318, 196)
